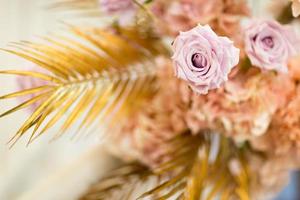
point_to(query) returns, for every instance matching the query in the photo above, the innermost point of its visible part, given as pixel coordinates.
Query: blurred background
(47, 170)
(43, 170)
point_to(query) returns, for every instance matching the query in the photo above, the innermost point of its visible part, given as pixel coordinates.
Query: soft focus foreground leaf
(208, 168)
(78, 4)
(95, 75)
(83, 4)
(92, 8)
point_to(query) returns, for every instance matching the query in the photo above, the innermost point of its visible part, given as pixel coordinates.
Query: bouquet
(199, 99)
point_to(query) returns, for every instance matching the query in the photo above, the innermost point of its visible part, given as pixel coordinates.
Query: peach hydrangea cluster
(243, 109)
(181, 15)
(248, 110)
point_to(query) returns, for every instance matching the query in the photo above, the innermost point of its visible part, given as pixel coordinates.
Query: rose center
(268, 42)
(199, 61)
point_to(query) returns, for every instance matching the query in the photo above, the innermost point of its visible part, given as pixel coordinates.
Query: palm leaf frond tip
(93, 75)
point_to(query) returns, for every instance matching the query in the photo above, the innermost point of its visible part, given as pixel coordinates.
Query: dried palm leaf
(119, 179)
(86, 7)
(200, 170)
(94, 75)
(92, 7)
(83, 4)
(75, 4)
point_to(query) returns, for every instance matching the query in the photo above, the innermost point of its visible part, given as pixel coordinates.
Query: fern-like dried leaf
(203, 172)
(94, 75)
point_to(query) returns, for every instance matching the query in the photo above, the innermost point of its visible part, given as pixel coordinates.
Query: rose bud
(203, 59)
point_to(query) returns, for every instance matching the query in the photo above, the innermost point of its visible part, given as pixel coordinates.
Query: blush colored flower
(181, 15)
(269, 45)
(294, 68)
(296, 7)
(203, 59)
(283, 136)
(126, 9)
(145, 135)
(116, 6)
(202, 11)
(26, 82)
(171, 14)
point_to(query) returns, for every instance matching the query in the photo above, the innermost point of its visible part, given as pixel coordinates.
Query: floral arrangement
(199, 99)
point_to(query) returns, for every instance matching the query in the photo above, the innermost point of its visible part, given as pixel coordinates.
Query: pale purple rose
(203, 59)
(269, 45)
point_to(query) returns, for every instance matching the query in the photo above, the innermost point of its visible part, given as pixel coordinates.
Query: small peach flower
(203, 59)
(296, 7)
(294, 68)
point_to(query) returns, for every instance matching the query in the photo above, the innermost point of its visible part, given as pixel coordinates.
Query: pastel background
(43, 170)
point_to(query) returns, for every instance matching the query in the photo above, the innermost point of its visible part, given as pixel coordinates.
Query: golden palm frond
(93, 75)
(89, 7)
(93, 7)
(200, 167)
(119, 179)
(75, 3)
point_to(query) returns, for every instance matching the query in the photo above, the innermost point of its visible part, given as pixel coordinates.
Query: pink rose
(203, 59)
(269, 45)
